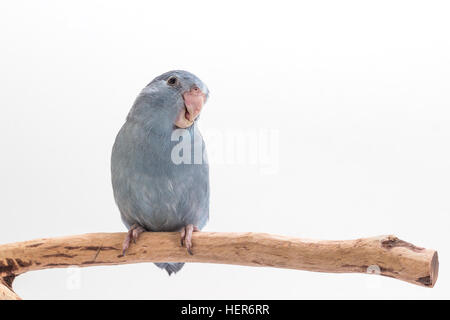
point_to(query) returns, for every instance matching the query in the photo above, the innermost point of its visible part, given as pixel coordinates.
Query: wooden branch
(6, 292)
(386, 255)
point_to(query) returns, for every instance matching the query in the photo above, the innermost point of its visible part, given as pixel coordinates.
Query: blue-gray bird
(159, 168)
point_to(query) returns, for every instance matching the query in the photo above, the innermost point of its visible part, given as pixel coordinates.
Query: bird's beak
(193, 101)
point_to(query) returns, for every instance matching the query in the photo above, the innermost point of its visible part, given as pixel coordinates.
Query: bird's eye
(172, 81)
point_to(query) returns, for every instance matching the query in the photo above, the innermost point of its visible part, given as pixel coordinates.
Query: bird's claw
(133, 235)
(186, 237)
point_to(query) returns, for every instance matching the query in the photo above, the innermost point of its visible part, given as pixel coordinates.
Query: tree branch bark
(386, 255)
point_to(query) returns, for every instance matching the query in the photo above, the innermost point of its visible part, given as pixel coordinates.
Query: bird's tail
(170, 267)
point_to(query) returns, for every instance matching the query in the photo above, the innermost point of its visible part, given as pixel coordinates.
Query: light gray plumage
(149, 188)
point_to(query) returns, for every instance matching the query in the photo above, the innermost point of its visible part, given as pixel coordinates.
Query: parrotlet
(159, 167)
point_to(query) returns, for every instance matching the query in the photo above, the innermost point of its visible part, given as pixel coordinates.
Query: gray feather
(171, 267)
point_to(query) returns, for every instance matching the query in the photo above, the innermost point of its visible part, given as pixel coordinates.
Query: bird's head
(174, 98)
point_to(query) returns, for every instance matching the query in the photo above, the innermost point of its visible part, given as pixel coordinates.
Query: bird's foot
(133, 235)
(186, 236)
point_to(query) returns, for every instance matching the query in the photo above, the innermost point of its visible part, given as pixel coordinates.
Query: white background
(357, 91)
